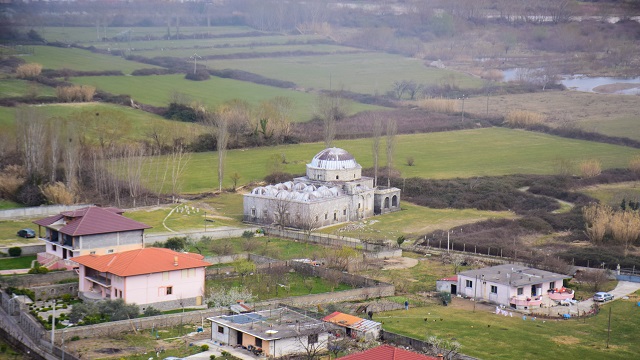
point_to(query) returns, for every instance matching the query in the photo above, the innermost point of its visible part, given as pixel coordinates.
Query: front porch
(522, 302)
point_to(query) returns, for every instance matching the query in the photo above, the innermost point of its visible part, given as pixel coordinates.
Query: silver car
(602, 296)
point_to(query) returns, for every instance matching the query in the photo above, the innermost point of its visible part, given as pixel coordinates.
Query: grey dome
(334, 159)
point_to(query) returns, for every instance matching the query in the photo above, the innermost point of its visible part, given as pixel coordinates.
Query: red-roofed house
(90, 230)
(388, 352)
(160, 277)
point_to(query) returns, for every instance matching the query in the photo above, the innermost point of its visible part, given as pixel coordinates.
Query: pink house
(90, 230)
(160, 277)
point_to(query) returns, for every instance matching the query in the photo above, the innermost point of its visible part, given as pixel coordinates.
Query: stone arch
(386, 202)
(394, 201)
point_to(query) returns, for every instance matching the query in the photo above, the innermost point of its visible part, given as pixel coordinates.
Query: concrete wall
(38, 211)
(328, 240)
(632, 278)
(31, 280)
(222, 233)
(55, 291)
(26, 249)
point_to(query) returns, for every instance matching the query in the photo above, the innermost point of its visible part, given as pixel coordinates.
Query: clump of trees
(606, 225)
(590, 168)
(75, 93)
(27, 71)
(88, 313)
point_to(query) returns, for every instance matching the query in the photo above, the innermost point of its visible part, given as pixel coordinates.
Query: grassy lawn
(82, 60)
(8, 229)
(294, 285)
(614, 115)
(367, 73)
(156, 90)
(17, 87)
(243, 49)
(23, 262)
(8, 204)
(411, 221)
(467, 153)
(613, 194)
(116, 123)
(267, 246)
(485, 335)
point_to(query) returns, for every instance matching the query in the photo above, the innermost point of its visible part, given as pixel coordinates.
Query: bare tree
(54, 147)
(308, 222)
(593, 277)
(32, 132)
(311, 341)
(377, 135)
(392, 130)
(281, 207)
(330, 107)
(71, 155)
(135, 160)
(176, 162)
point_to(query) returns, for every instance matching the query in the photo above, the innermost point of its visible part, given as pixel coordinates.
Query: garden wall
(38, 211)
(26, 249)
(55, 291)
(213, 233)
(31, 280)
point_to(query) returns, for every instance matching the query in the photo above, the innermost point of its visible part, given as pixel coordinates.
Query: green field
(16, 87)
(411, 221)
(444, 155)
(81, 60)
(118, 123)
(613, 194)
(485, 335)
(257, 50)
(368, 73)
(23, 262)
(9, 228)
(156, 90)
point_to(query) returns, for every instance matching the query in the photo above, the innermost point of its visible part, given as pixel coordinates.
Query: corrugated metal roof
(365, 325)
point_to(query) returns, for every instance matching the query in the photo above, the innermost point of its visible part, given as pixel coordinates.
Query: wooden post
(464, 247)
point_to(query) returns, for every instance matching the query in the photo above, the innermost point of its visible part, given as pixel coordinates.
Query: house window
(253, 212)
(337, 177)
(169, 290)
(326, 216)
(344, 212)
(92, 252)
(258, 342)
(494, 289)
(552, 285)
(110, 251)
(313, 339)
(165, 275)
(220, 329)
(120, 291)
(53, 247)
(469, 283)
(520, 291)
(335, 216)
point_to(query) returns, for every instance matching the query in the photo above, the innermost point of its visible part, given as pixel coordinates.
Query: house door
(454, 289)
(533, 290)
(239, 338)
(64, 253)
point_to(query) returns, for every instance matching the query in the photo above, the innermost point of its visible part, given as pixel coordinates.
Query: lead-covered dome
(334, 159)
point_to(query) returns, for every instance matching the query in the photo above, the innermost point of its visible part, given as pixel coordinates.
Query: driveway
(624, 288)
(215, 349)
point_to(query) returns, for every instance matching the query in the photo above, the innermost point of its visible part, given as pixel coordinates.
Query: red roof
(387, 352)
(142, 261)
(450, 278)
(93, 220)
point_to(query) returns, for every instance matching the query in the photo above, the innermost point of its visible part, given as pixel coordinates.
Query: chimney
(175, 261)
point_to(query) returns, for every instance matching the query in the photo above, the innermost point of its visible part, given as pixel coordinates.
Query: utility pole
(609, 328)
(475, 293)
(195, 61)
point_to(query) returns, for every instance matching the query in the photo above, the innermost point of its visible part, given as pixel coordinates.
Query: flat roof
(273, 324)
(514, 275)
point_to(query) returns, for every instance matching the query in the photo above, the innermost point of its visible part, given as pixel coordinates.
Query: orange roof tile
(142, 261)
(342, 319)
(387, 352)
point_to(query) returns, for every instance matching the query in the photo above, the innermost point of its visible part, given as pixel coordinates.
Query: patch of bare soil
(614, 88)
(566, 340)
(399, 263)
(467, 304)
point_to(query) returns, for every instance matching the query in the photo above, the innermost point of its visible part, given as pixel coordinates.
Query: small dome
(334, 159)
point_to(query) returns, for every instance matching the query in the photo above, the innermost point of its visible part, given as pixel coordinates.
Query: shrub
(25, 71)
(15, 251)
(247, 234)
(447, 106)
(75, 93)
(9, 185)
(57, 193)
(38, 270)
(204, 347)
(411, 161)
(176, 243)
(590, 168)
(199, 75)
(74, 338)
(523, 118)
(181, 112)
(151, 311)
(634, 164)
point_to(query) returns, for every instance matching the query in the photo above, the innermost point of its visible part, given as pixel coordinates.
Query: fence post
(464, 247)
(475, 249)
(489, 252)
(440, 245)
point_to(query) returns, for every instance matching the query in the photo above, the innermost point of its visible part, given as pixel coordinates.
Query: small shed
(448, 285)
(354, 326)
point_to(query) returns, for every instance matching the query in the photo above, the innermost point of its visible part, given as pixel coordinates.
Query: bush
(590, 168)
(447, 106)
(199, 75)
(151, 311)
(75, 93)
(181, 112)
(634, 165)
(57, 193)
(26, 71)
(15, 251)
(38, 270)
(247, 234)
(74, 338)
(204, 347)
(176, 243)
(523, 118)
(411, 161)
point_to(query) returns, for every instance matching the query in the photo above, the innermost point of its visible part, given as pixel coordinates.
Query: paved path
(215, 349)
(623, 288)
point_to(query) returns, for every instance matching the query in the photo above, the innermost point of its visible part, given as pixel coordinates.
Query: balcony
(100, 280)
(560, 294)
(522, 301)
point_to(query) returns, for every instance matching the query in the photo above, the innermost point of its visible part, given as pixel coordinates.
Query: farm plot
(249, 51)
(16, 87)
(156, 90)
(368, 73)
(81, 60)
(467, 153)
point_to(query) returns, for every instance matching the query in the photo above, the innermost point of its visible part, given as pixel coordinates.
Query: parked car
(27, 233)
(567, 302)
(602, 296)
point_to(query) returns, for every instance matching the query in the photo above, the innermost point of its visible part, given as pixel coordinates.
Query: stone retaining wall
(55, 291)
(38, 211)
(31, 280)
